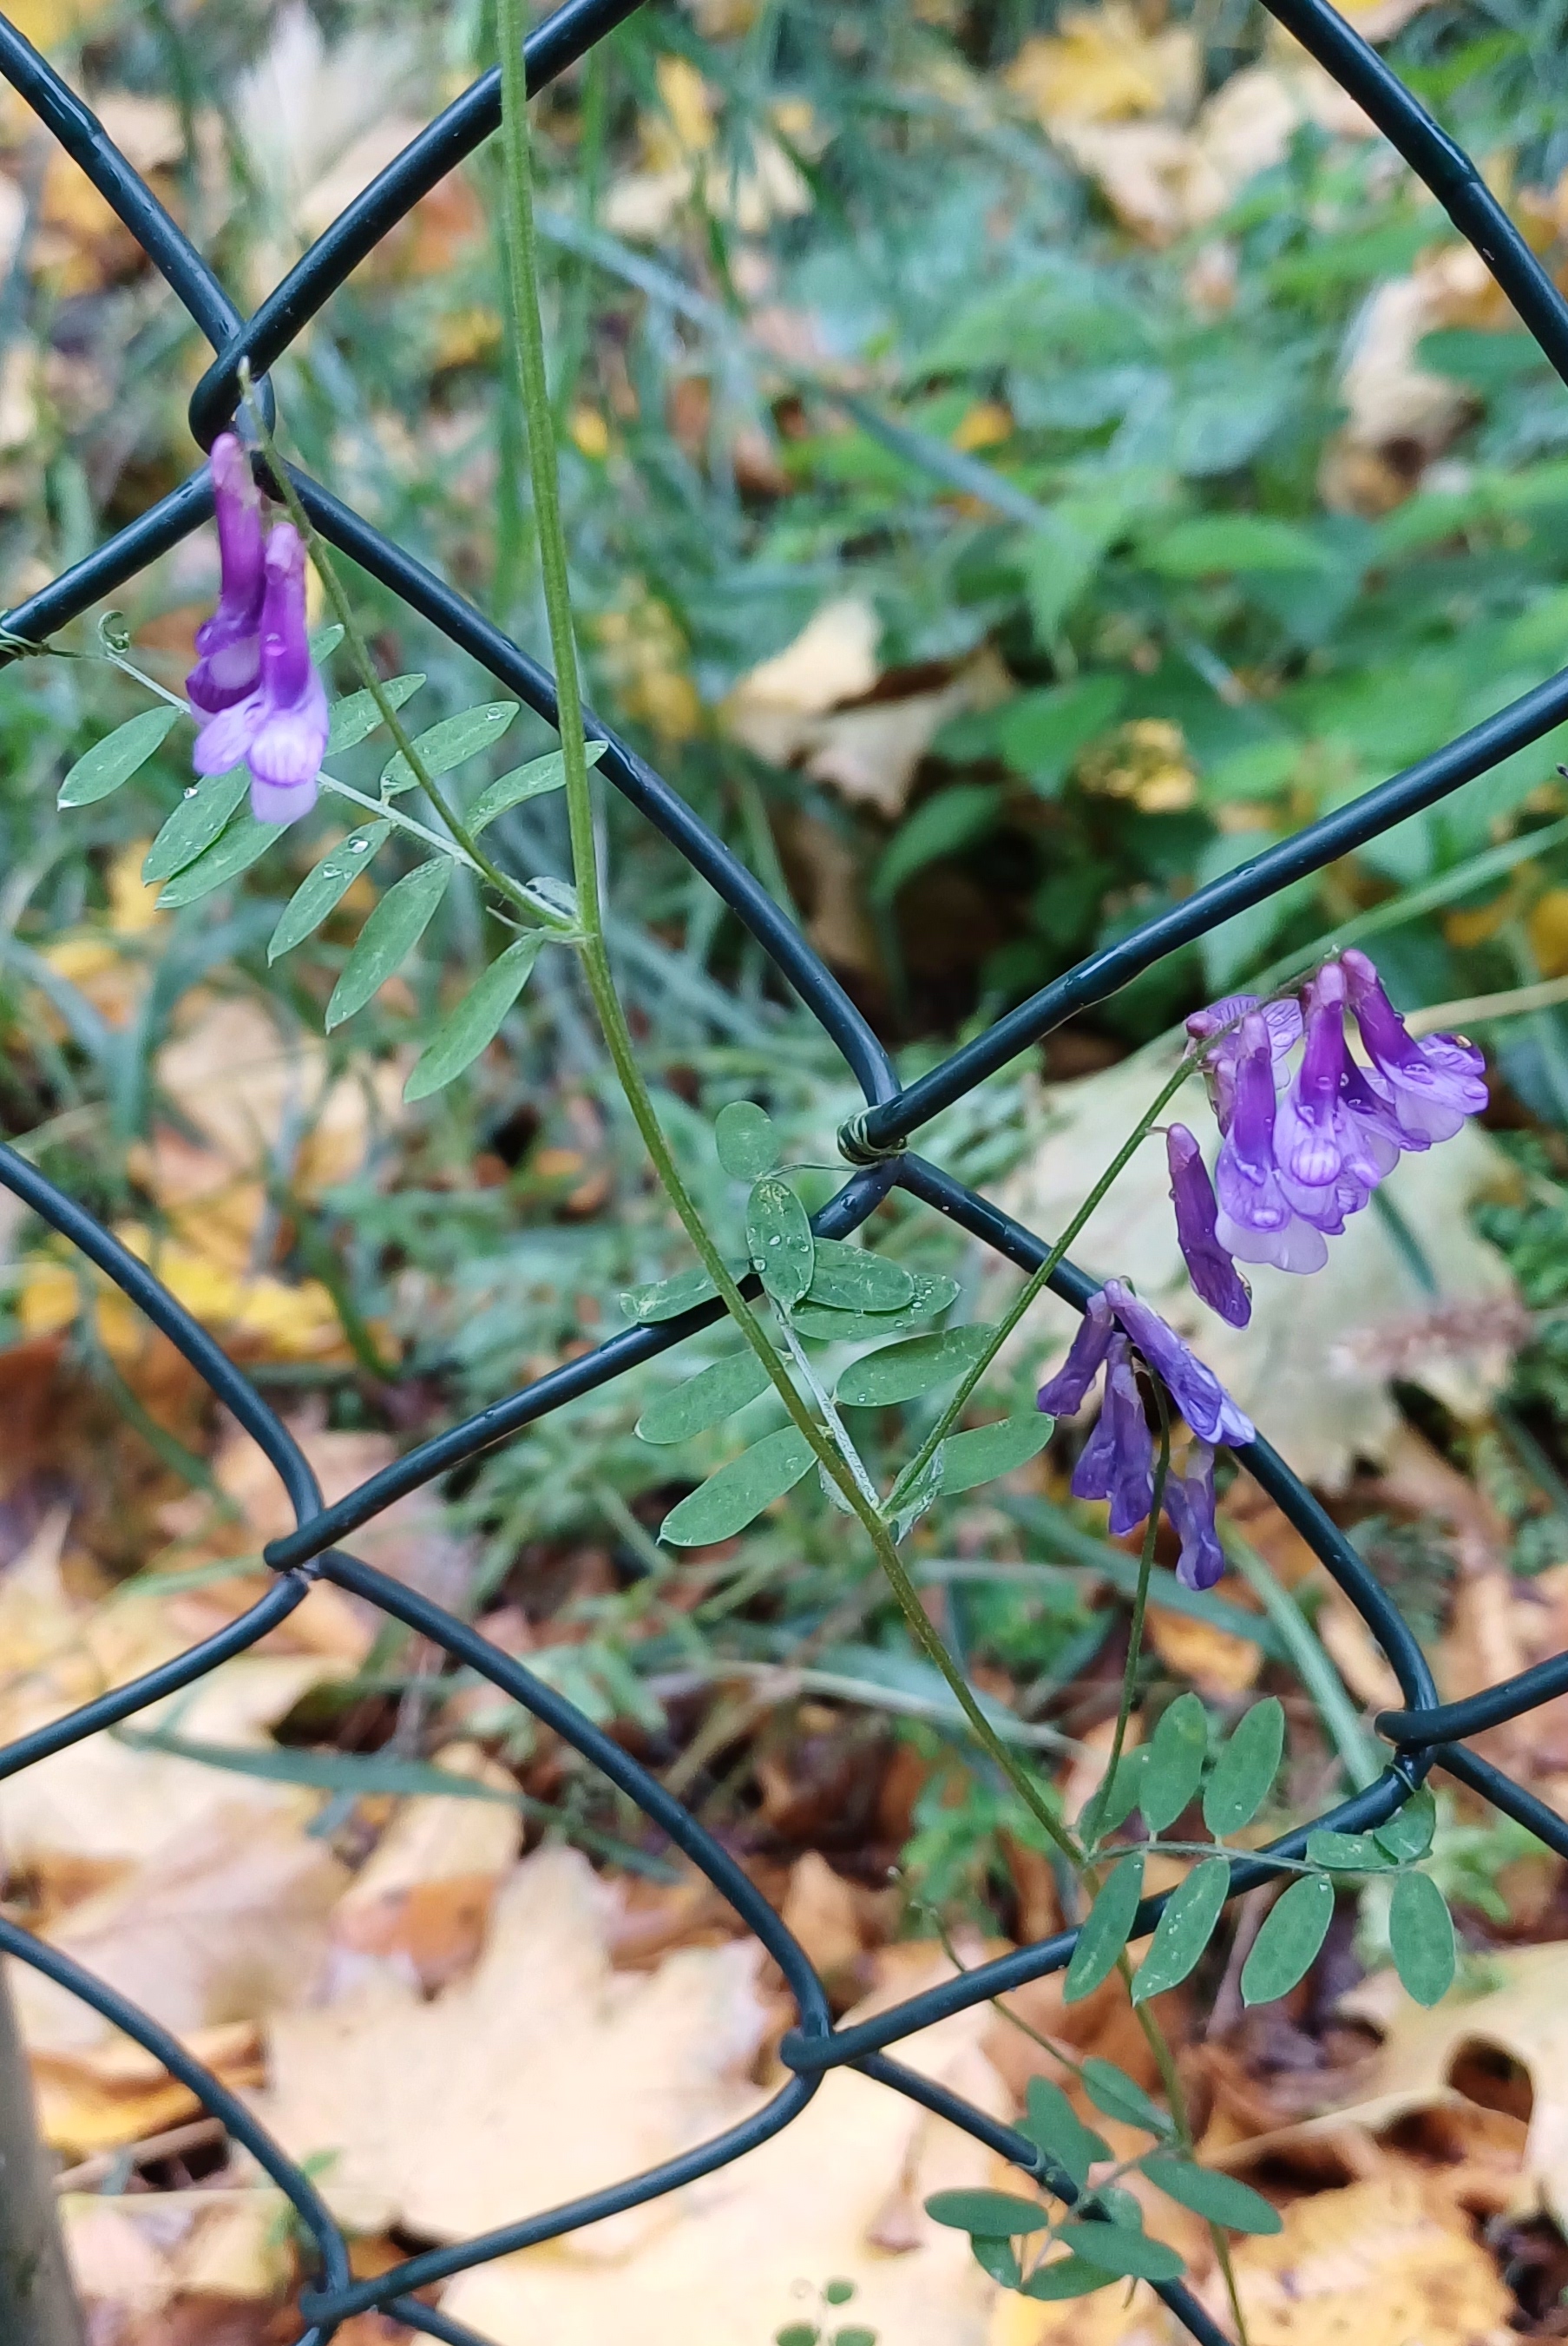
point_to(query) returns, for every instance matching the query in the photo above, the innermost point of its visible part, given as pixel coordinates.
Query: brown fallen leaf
(109, 2096)
(427, 1889)
(135, 2257)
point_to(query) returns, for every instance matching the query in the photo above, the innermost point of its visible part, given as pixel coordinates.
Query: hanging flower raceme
(1304, 1142)
(254, 688)
(1117, 1461)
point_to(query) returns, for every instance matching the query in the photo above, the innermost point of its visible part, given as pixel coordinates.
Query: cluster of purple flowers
(1300, 1148)
(258, 699)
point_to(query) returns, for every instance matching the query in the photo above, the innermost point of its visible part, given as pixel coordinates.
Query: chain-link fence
(1425, 1734)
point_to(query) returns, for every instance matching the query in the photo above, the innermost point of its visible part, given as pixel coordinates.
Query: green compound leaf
(195, 823)
(351, 720)
(904, 1371)
(324, 889)
(778, 1238)
(1408, 1831)
(730, 1499)
(530, 781)
(1340, 1852)
(475, 1023)
(1105, 1928)
(1054, 2126)
(244, 843)
(1217, 2198)
(1292, 1932)
(1184, 1929)
(1420, 1934)
(853, 1278)
(987, 2214)
(1245, 1771)
(745, 1139)
(389, 935)
(987, 1451)
(113, 760)
(449, 743)
(1118, 2249)
(1116, 2096)
(1178, 1749)
(1065, 2276)
(705, 1400)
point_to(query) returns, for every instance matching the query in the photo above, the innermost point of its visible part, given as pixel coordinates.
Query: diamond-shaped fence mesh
(1424, 1735)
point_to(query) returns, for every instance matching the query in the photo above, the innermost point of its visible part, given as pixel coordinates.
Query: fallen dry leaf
(427, 1889)
(1103, 65)
(831, 660)
(139, 2254)
(103, 2097)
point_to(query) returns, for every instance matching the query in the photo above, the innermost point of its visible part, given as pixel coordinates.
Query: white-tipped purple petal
(224, 741)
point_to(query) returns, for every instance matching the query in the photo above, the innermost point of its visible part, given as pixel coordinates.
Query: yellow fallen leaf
(104, 2097)
(1102, 66)
(46, 22)
(831, 660)
(427, 1889)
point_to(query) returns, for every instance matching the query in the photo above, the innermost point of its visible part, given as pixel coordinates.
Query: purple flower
(1218, 1059)
(1210, 1267)
(1330, 1133)
(1432, 1085)
(1189, 1503)
(1257, 1221)
(230, 643)
(279, 730)
(1062, 1394)
(1195, 1390)
(1117, 1461)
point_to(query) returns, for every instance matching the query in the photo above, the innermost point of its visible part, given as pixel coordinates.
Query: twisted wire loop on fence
(1424, 1734)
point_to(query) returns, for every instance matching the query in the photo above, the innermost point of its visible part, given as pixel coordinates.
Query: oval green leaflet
(1054, 2126)
(195, 823)
(828, 1324)
(1293, 1931)
(1408, 1831)
(1106, 1927)
(730, 1499)
(1118, 2249)
(351, 722)
(1117, 1797)
(1340, 1852)
(245, 842)
(1185, 1928)
(442, 747)
(853, 1278)
(1245, 1771)
(390, 932)
(1420, 1934)
(997, 2258)
(778, 1238)
(988, 2215)
(324, 642)
(472, 1024)
(1217, 2198)
(113, 760)
(984, 1451)
(533, 780)
(666, 1298)
(707, 1399)
(1178, 1749)
(324, 888)
(903, 1371)
(745, 1140)
(1065, 2276)
(1118, 2096)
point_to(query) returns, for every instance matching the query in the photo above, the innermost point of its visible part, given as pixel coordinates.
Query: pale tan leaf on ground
(427, 1889)
(101, 2097)
(246, 1087)
(141, 2252)
(433, 2109)
(870, 755)
(819, 1909)
(838, 2195)
(1103, 65)
(832, 659)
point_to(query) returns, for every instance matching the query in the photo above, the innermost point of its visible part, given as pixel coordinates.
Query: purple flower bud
(1062, 1394)
(1195, 1389)
(1117, 1461)
(1431, 1084)
(280, 730)
(1213, 1272)
(230, 643)
(1258, 1221)
(1189, 1503)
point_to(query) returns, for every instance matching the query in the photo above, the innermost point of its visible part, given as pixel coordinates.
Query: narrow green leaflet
(778, 1238)
(113, 760)
(195, 823)
(1178, 1749)
(539, 776)
(987, 1451)
(1245, 1771)
(1217, 2198)
(390, 932)
(1105, 1928)
(1065, 2276)
(1408, 1831)
(1054, 2126)
(1420, 1934)
(829, 1325)
(1118, 2249)
(324, 889)
(324, 641)
(997, 2258)
(666, 1298)
(1292, 1932)
(705, 1400)
(1118, 1796)
(245, 842)
(911, 1503)
(745, 1140)
(1118, 2096)
(446, 745)
(1340, 1852)
(729, 1500)
(990, 2215)
(352, 720)
(473, 1025)
(1184, 1929)
(903, 1371)
(853, 1278)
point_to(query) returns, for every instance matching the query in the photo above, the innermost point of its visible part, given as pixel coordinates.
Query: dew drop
(190, 790)
(357, 846)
